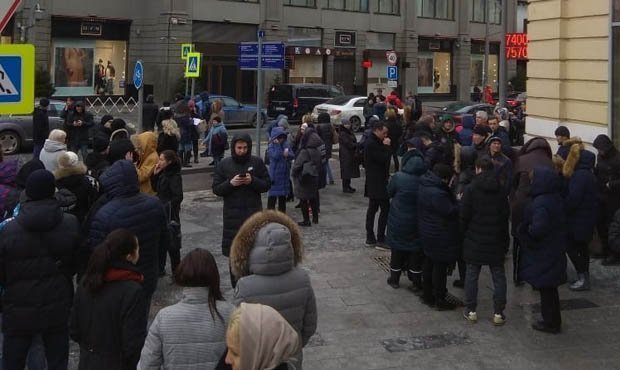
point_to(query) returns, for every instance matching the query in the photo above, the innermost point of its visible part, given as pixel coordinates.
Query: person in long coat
(542, 260)
(438, 224)
(536, 152)
(306, 174)
(582, 207)
(377, 156)
(347, 148)
(402, 234)
(280, 156)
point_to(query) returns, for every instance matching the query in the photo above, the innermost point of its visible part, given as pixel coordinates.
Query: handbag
(174, 228)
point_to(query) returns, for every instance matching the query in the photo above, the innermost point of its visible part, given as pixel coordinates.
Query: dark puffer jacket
(377, 158)
(37, 252)
(309, 159)
(582, 193)
(242, 201)
(402, 230)
(608, 172)
(484, 221)
(438, 219)
(349, 164)
(79, 134)
(129, 209)
(74, 179)
(168, 185)
(110, 325)
(542, 261)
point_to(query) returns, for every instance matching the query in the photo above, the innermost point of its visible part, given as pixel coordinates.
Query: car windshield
(341, 100)
(454, 107)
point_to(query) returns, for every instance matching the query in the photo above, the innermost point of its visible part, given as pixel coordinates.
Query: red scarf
(116, 274)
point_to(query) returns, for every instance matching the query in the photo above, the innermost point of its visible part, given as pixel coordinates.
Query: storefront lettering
(345, 38)
(90, 29)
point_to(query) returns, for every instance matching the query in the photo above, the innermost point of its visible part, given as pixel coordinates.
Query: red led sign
(516, 46)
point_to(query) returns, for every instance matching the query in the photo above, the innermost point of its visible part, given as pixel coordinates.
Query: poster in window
(73, 67)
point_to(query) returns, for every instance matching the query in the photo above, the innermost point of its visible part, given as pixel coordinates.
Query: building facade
(572, 71)
(439, 43)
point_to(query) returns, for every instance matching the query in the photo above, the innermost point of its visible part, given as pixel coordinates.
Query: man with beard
(239, 179)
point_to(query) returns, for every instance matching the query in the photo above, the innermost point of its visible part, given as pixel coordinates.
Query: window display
(88, 67)
(434, 72)
(475, 75)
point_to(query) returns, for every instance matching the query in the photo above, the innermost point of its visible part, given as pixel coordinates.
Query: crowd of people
(84, 241)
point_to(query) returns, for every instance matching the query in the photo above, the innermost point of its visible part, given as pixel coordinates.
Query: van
(295, 100)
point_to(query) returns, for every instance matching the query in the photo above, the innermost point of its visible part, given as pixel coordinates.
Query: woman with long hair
(192, 331)
(169, 138)
(109, 313)
(168, 185)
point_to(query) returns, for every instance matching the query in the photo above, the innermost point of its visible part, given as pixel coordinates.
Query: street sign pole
(193, 87)
(138, 82)
(259, 90)
(140, 102)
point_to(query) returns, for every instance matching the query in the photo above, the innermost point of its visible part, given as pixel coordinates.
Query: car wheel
(356, 123)
(10, 141)
(263, 120)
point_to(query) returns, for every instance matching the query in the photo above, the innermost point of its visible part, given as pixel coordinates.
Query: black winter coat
(438, 219)
(326, 133)
(582, 199)
(110, 325)
(168, 185)
(542, 260)
(349, 164)
(242, 201)
(149, 116)
(309, 158)
(395, 132)
(85, 192)
(608, 173)
(40, 126)
(484, 221)
(377, 158)
(167, 142)
(78, 134)
(96, 164)
(37, 262)
(127, 208)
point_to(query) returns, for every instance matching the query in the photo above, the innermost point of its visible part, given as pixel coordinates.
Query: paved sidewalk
(365, 324)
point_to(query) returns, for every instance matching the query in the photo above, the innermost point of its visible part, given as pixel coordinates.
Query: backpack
(219, 142)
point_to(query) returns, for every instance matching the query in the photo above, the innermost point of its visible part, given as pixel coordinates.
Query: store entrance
(344, 74)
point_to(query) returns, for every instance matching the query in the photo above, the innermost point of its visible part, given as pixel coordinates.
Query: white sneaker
(499, 319)
(470, 316)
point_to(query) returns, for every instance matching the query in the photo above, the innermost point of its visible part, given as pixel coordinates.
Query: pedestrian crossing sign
(16, 79)
(192, 65)
(186, 49)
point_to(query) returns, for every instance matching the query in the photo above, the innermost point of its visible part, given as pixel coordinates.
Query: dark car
(295, 100)
(236, 113)
(458, 109)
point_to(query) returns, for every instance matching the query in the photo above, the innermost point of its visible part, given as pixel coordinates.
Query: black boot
(186, 158)
(416, 281)
(196, 157)
(394, 279)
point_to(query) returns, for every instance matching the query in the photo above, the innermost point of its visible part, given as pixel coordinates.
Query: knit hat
(100, 143)
(40, 185)
(119, 148)
(495, 138)
(482, 130)
(106, 118)
(562, 131)
(323, 118)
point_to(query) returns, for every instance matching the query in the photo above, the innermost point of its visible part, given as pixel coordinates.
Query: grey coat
(185, 336)
(49, 155)
(271, 276)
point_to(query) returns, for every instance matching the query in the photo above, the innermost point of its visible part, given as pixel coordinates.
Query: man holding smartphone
(239, 179)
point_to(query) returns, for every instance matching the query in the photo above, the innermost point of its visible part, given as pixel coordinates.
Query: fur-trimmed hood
(578, 157)
(62, 172)
(268, 243)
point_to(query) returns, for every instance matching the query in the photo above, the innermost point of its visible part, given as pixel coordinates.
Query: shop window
(304, 36)
(434, 72)
(88, 67)
(439, 9)
(475, 72)
(306, 3)
(349, 5)
(388, 6)
(479, 11)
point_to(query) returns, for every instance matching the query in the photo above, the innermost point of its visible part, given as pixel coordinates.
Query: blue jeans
(54, 346)
(472, 272)
(79, 148)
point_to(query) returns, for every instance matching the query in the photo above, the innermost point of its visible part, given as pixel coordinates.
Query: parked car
(295, 100)
(347, 106)
(458, 109)
(236, 113)
(16, 130)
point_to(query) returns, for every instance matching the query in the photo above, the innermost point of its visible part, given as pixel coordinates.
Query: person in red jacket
(394, 100)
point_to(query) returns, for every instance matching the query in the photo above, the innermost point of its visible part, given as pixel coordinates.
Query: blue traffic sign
(16, 78)
(138, 75)
(392, 73)
(10, 79)
(272, 55)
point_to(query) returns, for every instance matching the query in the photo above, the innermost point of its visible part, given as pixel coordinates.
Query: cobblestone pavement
(365, 324)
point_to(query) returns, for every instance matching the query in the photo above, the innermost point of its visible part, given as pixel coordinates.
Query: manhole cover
(568, 305)
(404, 344)
(383, 262)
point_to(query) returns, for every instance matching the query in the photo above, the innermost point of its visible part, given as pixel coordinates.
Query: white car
(349, 106)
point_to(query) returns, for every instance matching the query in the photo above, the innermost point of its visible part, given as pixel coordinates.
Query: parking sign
(392, 73)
